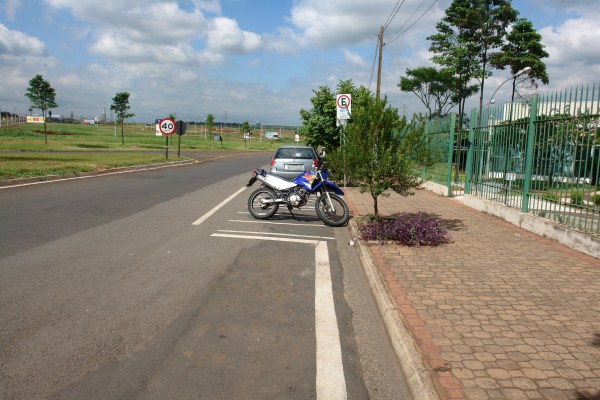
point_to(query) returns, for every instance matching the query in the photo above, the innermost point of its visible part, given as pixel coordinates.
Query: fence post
(529, 154)
(468, 166)
(450, 152)
(427, 130)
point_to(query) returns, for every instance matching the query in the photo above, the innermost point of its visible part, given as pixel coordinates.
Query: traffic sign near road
(343, 106)
(166, 126)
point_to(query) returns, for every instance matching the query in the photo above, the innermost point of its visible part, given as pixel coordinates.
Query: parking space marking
(279, 234)
(330, 380)
(273, 223)
(217, 207)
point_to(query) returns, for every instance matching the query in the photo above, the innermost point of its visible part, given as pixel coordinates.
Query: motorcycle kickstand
(290, 210)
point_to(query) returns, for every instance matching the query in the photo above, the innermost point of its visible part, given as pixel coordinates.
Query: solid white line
(276, 239)
(331, 384)
(215, 209)
(272, 223)
(278, 234)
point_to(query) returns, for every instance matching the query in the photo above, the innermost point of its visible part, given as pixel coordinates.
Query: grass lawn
(73, 148)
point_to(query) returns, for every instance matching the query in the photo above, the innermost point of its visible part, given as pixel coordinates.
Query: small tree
(381, 151)
(42, 96)
(120, 104)
(210, 122)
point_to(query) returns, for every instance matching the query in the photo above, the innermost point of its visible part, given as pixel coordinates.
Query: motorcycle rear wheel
(336, 216)
(257, 206)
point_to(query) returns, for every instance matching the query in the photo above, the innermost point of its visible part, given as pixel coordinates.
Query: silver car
(289, 161)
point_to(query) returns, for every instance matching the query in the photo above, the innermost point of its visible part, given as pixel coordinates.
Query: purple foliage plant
(407, 230)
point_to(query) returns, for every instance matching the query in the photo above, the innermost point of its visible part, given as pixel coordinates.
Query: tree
(41, 95)
(380, 150)
(523, 48)
(319, 125)
(210, 122)
(487, 22)
(431, 85)
(245, 127)
(120, 104)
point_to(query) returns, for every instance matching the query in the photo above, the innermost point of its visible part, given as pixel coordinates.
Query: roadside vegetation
(75, 148)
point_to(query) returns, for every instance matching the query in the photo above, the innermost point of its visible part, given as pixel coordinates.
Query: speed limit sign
(166, 126)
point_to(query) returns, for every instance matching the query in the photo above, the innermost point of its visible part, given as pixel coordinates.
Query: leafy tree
(380, 150)
(431, 85)
(523, 48)
(319, 123)
(210, 122)
(120, 105)
(245, 127)
(487, 22)
(42, 96)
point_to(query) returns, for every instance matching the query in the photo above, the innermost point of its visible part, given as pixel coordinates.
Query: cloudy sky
(248, 60)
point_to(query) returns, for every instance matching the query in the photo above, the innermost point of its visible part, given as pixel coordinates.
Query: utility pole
(378, 90)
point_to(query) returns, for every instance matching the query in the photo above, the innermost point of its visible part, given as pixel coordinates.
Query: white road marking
(217, 207)
(330, 382)
(279, 234)
(271, 222)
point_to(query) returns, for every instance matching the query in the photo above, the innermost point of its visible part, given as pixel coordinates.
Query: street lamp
(524, 71)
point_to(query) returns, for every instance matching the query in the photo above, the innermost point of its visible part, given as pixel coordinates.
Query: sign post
(167, 127)
(343, 104)
(181, 129)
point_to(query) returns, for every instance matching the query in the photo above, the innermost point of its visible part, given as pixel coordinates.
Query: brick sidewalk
(499, 313)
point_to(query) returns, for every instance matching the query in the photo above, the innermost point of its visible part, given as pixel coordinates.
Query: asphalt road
(158, 284)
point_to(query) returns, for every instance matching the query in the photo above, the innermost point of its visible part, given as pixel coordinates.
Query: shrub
(407, 230)
(596, 199)
(576, 198)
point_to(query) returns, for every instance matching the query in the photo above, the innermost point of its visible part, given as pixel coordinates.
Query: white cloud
(226, 36)
(15, 43)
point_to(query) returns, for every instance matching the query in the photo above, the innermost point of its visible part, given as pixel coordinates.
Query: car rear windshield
(295, 153)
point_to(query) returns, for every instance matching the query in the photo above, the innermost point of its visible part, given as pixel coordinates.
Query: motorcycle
(264, 202)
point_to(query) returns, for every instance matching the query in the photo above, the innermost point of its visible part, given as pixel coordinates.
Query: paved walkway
(499, 313)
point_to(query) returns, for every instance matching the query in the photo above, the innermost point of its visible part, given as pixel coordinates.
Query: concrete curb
(410, 360)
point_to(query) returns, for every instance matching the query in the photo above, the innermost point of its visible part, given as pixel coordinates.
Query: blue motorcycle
(264, 202)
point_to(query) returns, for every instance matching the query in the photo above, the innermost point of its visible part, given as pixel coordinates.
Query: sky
(250, 60)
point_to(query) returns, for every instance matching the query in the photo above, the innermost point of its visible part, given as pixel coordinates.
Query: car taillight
(316, 163)
(273, 162)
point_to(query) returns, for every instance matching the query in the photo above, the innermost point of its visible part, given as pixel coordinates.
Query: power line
(393, 14)
(414, 23)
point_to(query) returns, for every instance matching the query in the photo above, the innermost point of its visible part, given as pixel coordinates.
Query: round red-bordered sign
(343, 101)
(167, 126)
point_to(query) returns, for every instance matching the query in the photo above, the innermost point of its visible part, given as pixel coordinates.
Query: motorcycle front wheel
(258, 203)
(338, 215)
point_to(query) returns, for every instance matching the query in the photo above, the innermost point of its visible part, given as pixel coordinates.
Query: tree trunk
(375, 209)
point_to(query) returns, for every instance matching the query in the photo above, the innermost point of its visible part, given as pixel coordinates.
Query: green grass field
(73, 148)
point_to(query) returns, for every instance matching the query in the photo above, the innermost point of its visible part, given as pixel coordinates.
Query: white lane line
(276, 239)
(331, 384)
(216, 208)
(272, 223)
(278, 234)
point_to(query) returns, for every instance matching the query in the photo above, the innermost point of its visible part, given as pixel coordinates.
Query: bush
(576, 198)
(596, 199)
(407, 230)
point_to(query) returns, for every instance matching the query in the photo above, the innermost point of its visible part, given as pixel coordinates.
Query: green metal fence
(541, 157)
(444, 144)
